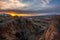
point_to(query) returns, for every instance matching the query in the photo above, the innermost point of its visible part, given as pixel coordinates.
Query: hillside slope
(21, 29)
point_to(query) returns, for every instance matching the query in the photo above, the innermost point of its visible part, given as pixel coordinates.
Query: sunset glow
(28, 14)
(22, 14)
(16, 14)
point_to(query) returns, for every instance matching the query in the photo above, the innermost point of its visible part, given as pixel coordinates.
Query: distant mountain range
(32, 11)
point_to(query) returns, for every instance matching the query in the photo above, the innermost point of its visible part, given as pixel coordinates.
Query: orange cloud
(12, 4)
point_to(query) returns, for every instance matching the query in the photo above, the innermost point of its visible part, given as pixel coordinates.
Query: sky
(31, 5)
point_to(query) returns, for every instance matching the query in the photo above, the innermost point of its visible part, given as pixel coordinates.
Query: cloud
(37, 4)
(12, 4)
(26, 4)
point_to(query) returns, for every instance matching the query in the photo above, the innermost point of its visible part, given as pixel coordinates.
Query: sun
(12, 14)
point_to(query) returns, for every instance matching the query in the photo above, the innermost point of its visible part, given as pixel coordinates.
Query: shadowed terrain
(53, 30)
(21, 28)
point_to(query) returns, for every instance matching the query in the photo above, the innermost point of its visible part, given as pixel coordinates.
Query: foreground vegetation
(22, 28)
